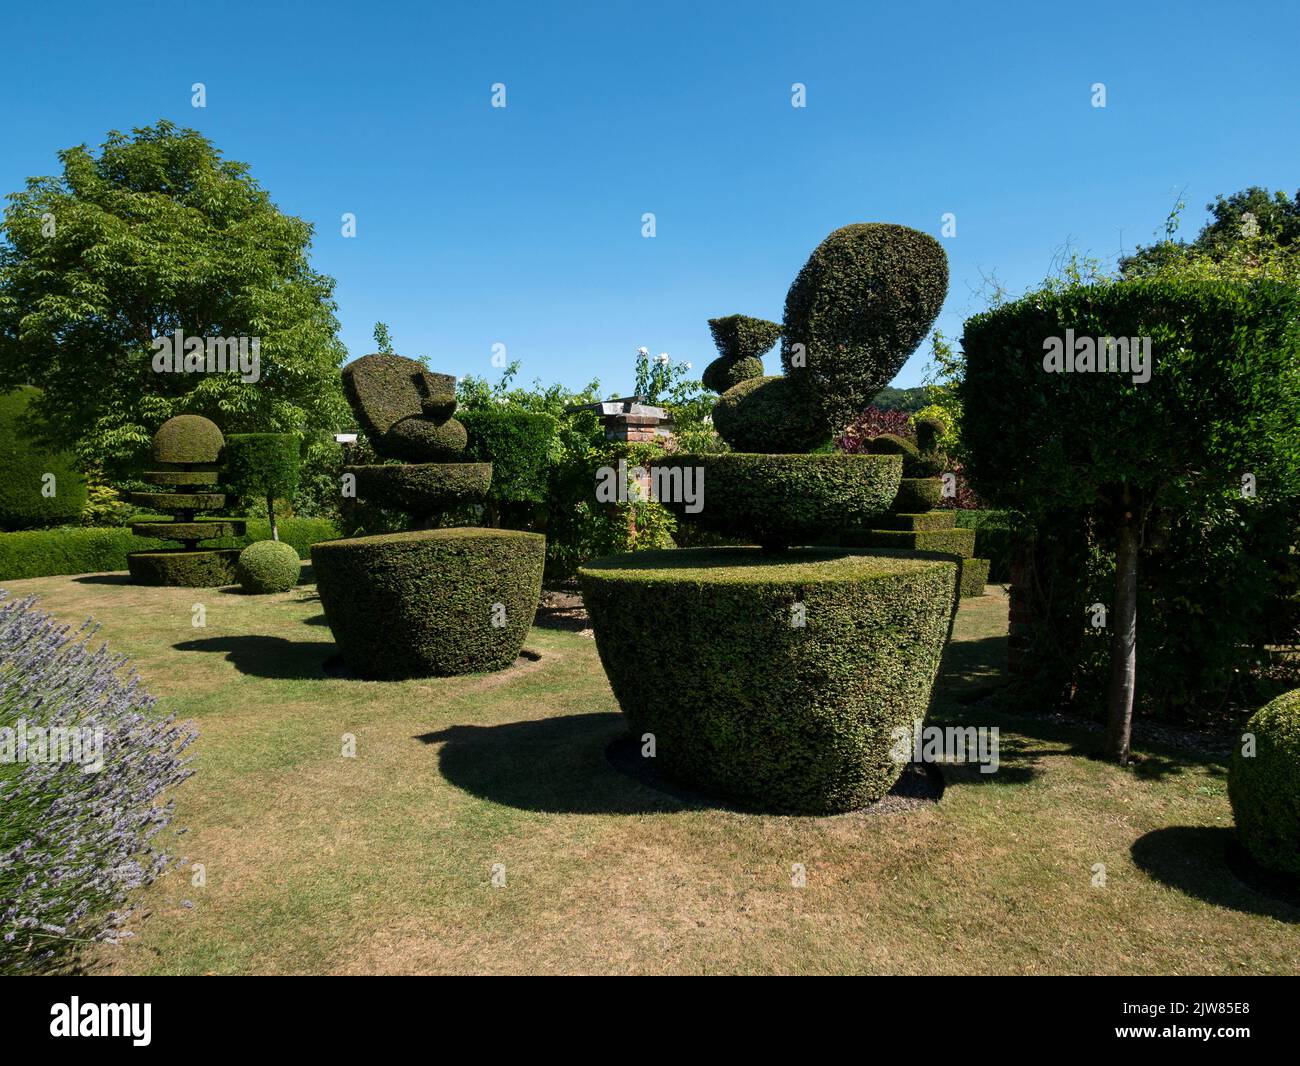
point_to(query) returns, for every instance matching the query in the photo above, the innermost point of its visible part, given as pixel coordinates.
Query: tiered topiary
(430, 602)
(1264, 786)
(789, 671)
(185, 450)
(915, 524)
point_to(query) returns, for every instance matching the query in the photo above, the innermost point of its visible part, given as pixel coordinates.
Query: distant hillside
(909, 400)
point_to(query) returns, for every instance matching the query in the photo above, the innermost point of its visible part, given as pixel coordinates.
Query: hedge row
(993, 540)
(48, 552)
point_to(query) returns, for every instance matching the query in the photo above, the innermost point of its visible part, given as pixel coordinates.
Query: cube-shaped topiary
(1264, 785)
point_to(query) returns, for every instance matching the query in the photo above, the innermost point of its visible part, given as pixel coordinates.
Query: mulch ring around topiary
(920, 786)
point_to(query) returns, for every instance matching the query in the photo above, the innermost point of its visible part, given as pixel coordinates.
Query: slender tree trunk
(1123, 643)
(270, 511)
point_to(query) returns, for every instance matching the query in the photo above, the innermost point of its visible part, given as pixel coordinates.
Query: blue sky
(522, 225)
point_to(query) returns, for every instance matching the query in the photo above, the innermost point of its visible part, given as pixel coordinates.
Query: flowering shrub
(872, 423)
(83, 764)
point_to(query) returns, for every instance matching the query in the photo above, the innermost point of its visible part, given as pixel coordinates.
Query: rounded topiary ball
(865, 299)
(1264, 788)
(768, 415)
(268, 566)
(188, 439)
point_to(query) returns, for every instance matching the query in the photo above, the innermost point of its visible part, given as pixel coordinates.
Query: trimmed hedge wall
(1264, 789)
(23, 464)
(49, 552)
(432, 602)
(746, 702)
(518, 444)
(994, 539)
(957, 541)
(779, 500)
(974, 576)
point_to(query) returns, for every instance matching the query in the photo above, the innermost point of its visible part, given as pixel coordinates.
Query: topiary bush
(765, 415)
(268, 566)
(432, 602)
(747, 702)
(386, 390)
(23, 500)
(741, 340)
(187, 439)
(422, 489)
(865, 299)
(1264, 789)
(182, 442)
(917, 494)
(75, 844)
(779, 500)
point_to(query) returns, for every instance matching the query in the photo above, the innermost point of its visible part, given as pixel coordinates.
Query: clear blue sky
(523, 226)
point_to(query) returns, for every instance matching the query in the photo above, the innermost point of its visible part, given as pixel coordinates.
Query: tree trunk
(270, 513)
(1123, 643)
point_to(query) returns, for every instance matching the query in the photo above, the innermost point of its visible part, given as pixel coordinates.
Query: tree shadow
(554, 765)
(1195, 860)
(270, 657)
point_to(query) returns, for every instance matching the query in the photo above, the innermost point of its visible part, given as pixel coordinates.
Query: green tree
(1123, 451)
(383, 342)
(159, 233)
(264, 465)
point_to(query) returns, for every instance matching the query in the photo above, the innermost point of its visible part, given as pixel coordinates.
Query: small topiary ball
(768, 415)
(1264, 788)
(188, 439)
(268, 566)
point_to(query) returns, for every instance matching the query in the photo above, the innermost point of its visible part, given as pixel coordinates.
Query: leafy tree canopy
(159, 233)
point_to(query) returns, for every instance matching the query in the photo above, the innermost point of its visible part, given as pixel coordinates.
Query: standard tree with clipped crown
(185, 453)
(432, 601)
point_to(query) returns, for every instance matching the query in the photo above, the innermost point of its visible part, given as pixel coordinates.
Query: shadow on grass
(104, 579)
(1195, 861)
(270, 657)
(556, 765)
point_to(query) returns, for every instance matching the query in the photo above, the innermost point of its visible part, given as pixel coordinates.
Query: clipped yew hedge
(784, 677)
(92, 550)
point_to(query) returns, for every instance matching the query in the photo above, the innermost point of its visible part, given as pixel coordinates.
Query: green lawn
(383, 863)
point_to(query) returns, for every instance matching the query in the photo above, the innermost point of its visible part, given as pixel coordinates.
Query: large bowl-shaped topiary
(785, 679)
(777, 500)
(1264, 787)
(865, 299)
(432, 602)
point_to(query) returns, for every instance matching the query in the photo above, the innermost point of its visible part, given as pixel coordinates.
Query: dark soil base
(920, 785)
(335, 667)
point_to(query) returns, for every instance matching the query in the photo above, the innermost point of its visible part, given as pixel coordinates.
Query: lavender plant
(84, 765)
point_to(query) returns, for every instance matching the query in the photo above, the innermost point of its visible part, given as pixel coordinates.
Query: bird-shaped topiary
(432, 601)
